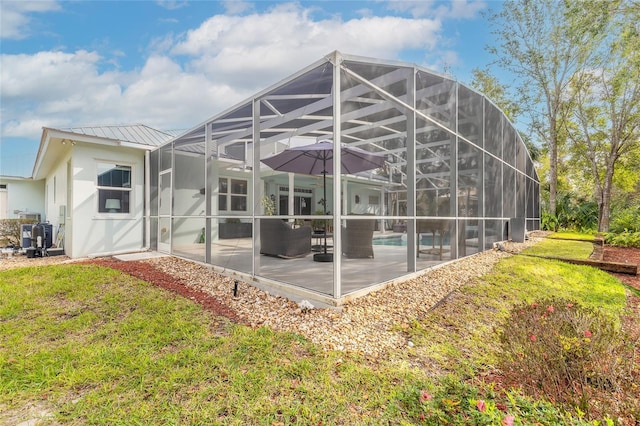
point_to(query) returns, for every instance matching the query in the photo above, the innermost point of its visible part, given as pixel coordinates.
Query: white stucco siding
(4, 212)
(364, 200)
(56, 196)
(22, 195)
(188, 179)
(97, 233)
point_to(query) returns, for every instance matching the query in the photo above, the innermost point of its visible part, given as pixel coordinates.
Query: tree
(606, 107)
(540, 43)
(487, 84)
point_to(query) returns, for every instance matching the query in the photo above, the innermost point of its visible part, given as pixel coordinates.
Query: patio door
(301, 205)
(165, 202)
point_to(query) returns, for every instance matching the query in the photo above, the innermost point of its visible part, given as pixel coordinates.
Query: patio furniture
(357, 238)
(439, 226)
(317, 159)
(278, 238)
(318, 238)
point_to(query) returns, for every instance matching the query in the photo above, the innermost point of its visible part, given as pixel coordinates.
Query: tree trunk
(553, 166)
(605, 211)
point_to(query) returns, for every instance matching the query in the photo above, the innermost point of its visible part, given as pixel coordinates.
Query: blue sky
(171, 64)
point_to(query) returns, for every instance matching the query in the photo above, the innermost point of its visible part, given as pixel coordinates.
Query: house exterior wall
(56, 198)
(95, 233)
(21, 195)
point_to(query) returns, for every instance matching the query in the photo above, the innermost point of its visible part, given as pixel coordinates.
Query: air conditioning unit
(29, 216)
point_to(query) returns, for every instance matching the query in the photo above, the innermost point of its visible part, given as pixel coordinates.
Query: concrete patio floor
(389, 263)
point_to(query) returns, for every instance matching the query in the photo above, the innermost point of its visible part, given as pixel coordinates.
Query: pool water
(401, 240)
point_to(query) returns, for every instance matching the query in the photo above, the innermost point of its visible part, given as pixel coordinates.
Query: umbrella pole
(324, 257)
(324, 190)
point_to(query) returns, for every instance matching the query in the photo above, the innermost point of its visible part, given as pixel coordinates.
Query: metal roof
(136, 133)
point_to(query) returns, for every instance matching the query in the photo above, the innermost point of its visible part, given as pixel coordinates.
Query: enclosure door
(164, 212)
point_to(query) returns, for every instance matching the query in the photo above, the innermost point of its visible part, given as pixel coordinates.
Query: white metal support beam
(257, 190)
(411, 175)
(337, 177)
(208, 179)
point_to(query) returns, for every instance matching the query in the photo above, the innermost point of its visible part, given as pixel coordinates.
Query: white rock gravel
(371, 325)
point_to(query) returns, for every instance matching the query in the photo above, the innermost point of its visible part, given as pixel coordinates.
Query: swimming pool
(401, 240)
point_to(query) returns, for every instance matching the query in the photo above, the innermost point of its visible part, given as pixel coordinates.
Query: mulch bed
(149, 273)
(632, 319)
(624, 255)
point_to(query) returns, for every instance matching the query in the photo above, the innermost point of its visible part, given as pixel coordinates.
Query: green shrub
(623, 239)
(549, 222)
(575, 213)
(626, 220)
(562, 350)
(456, 402)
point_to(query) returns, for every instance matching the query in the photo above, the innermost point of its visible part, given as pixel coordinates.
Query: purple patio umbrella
(316, 159)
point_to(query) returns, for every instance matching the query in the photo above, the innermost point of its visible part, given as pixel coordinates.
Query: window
(114, 188)
(232, 195)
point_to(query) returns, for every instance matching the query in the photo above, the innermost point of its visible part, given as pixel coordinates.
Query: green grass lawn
(571, 236)
(567, 249)
(94, 346)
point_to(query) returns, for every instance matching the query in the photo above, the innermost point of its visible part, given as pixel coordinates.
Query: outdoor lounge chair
(278, 238)
(357, 238)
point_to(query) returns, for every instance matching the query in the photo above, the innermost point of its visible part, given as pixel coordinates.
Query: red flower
(587, 333)
(533, 338)
(534, 304)
(481, 406)
(550, 308)
(425, 396)
(508, 420)
(569, 305)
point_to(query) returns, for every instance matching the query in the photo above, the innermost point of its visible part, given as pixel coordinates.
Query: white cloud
(29, 125)
(166, 97)
(15, 16)
(237, 7)
(59, 89)
(54, 88)
(259, 49)
(47, 75)
(171, 4)
(466, 9)
(201, 72)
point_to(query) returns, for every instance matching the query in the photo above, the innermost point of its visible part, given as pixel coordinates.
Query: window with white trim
(114, 188)
(232, 195)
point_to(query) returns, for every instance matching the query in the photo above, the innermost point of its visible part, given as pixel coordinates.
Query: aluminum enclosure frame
(457, 173)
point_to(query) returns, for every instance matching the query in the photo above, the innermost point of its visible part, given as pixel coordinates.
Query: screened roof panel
(316, 81)
(373, 104)
(370, 70)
